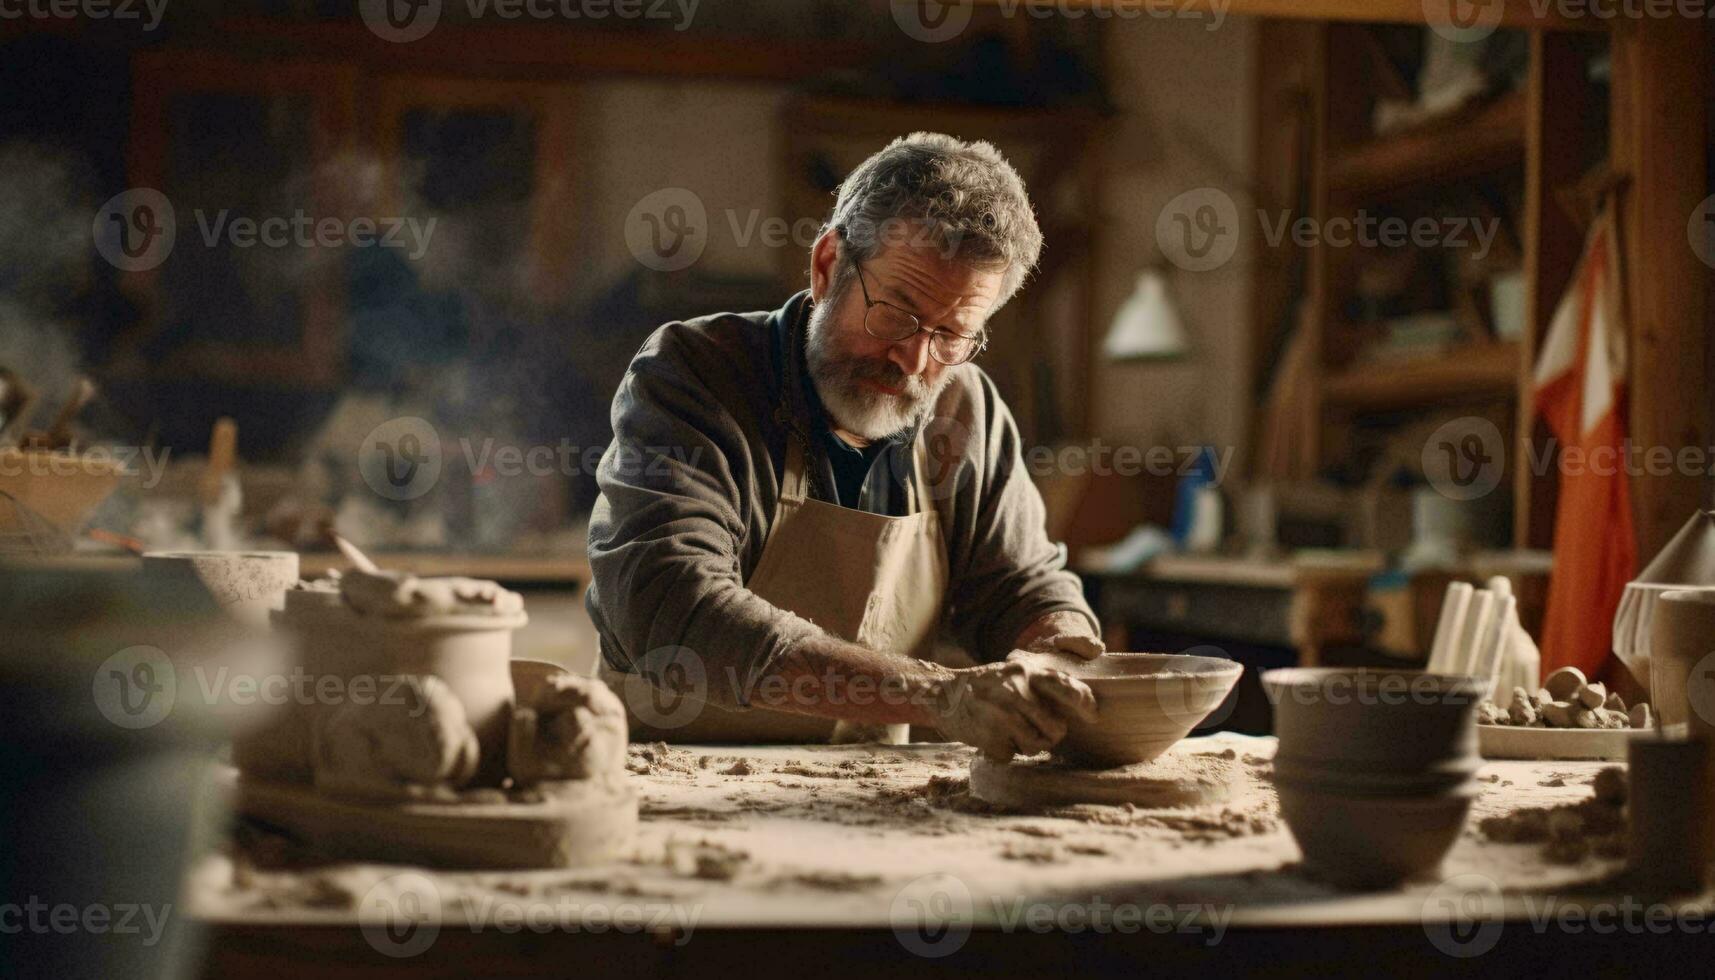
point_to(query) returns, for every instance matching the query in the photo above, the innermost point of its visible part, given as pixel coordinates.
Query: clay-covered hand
(1010, 707)
(1064, 633)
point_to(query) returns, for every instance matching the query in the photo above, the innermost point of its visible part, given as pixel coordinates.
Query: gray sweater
(689, 484)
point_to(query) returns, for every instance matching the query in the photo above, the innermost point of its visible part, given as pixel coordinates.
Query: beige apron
(875, 580)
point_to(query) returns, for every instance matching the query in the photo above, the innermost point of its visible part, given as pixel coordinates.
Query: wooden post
(1555, 109)
(1659, 128)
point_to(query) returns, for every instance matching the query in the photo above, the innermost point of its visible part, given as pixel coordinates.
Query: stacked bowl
(1376, 769)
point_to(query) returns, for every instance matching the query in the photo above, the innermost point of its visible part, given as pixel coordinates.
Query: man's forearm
(824, 675)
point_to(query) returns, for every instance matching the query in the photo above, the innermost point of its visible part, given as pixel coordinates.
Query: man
(796, 501)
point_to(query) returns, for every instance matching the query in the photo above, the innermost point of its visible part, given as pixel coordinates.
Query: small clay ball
(1610, 786)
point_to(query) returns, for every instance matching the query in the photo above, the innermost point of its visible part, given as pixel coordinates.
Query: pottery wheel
(1044, 781)
(577, 822)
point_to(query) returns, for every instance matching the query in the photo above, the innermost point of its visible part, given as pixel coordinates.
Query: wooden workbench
(834, 852)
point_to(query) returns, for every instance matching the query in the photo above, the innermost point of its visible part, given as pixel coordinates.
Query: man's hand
(1066, 633)
(1010, 707)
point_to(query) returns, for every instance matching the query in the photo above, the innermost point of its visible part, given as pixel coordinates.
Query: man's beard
(838, 376)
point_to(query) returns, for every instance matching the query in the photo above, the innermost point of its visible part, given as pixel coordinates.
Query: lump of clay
(1592, 695)
(1564, 683)
(573, 728)
(1521, 711)
(1490, 713)
(1640, 717)
(400, 595)
(1588, 706)
(418, 745)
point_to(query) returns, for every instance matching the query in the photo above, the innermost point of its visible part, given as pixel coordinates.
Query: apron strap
(794, 482)
(920, 497)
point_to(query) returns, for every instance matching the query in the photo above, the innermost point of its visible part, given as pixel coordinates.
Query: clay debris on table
(1570, 832)
(1567, 699)
(884, 799)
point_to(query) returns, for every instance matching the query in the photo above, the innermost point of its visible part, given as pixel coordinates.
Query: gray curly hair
(961, 197)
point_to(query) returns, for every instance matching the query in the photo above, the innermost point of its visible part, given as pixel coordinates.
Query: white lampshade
(1147, 324)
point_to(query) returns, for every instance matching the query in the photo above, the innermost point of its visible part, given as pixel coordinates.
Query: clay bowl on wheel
(1144, 701)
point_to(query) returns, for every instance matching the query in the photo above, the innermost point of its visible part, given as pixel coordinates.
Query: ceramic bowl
(1145, 702)
(1349, 723)
(248, 584)
(1364, 842)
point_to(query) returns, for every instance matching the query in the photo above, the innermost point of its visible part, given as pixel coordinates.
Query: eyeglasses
(884, 321)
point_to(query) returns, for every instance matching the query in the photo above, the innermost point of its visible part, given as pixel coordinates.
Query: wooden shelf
(540, 51)
(1488, 138)
(1476, 371)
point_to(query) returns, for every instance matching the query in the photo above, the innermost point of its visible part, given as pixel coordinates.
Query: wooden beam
(1659, 125)
(1557, 99)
